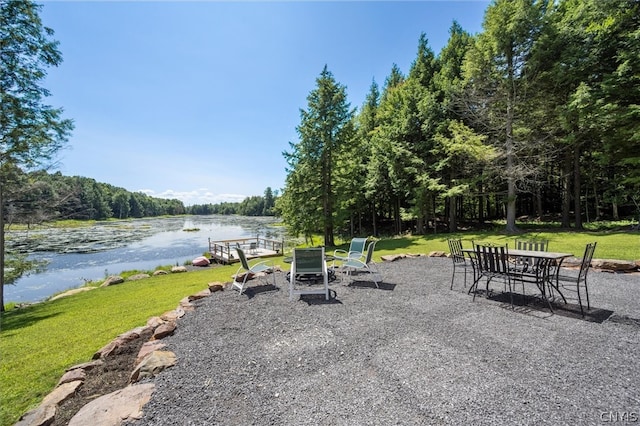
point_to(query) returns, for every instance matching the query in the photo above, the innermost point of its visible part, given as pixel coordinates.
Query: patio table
(545, 266)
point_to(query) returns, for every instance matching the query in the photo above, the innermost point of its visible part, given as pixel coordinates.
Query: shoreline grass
(38, 342)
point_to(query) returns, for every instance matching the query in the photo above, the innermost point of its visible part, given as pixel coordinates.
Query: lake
(79, 255)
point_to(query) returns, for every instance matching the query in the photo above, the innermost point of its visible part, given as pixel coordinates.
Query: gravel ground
(411, 352)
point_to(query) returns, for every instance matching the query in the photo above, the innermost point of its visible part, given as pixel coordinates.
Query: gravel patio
(412, 352)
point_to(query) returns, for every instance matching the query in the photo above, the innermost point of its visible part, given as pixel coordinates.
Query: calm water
(170, 245)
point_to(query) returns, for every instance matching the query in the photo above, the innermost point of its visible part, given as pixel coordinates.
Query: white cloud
(196, 196)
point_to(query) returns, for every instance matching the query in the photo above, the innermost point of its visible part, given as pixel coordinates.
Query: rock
(154, 322)
(41, 416)
(392, 257)
(613, 265)
(172, 315)
(186, 305)
(137, 277)
(164, 330)
(177, 269)
(200, 261)
(213, 287)
(112, 280)
(199, 295)
(115, 408)
(121, 340)
(437, 254)
(61, 393)
(72, 292)
(147, 348)
(152, 365)
(77, 374)
(86, 366)
(160, 272)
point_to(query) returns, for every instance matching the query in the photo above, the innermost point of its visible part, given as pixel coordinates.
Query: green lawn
(39, 342)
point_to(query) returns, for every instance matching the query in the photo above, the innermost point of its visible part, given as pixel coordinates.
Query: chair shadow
(371, 284)
(253, 291)
(530, 304)
(319, 299)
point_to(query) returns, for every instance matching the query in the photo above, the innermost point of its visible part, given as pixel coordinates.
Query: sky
(197, 100)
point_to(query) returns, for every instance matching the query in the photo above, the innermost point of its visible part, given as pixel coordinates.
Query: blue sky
(197, 100)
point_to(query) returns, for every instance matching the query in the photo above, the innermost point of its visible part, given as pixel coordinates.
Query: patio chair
(526, 264)
(307, 267)
(460, 261)
(368, 265)
(356, 250)
(491, 262)
(258, 268)
(581, 279)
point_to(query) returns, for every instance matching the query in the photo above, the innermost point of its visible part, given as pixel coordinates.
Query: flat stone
(112, 280)
(154, 322)
(437, 254)
(115, 408)
(61, 393)
(152, 365)
(44, 415)
(73, 375)
(217, 286)
(199, 295)
(86, 366)
(164, 330)
(613, 265)
(72, 292)
(172, 315)
(392, 257)
(137, 277)
(147, 348)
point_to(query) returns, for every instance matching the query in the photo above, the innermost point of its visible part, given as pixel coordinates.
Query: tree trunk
(2, 259)
(453, 219)
(577, 189)
(566, 191)
(509, 146)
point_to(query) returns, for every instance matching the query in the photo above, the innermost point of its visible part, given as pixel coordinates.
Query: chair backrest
(357, 245)
(492, 259)
(586, 260)
(243, 258)
(535, 245)
(308, 260)
(370, 249)
(455, 247)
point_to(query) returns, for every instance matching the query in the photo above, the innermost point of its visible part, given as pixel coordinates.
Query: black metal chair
(492, 262)
(581, 279)
(460, 261)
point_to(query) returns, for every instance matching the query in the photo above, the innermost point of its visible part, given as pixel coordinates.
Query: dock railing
(223, 251)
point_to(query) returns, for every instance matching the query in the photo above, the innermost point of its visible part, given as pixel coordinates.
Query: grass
(38, 342)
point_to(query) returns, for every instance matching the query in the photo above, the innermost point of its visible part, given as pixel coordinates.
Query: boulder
(392, 257)
(112, 280)
(41, 416)
(116, 408)
(177, 269)
(160, 272)
(77, 374)
(137, 277)
(200, 261)
(164, 330)
(217, 286)
(147, 348)
(613, 265)
(152, 365)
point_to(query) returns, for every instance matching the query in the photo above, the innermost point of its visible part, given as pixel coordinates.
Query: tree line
(537, 115)
(38, 197)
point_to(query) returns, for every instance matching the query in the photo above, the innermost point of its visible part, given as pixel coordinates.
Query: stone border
(124, 404)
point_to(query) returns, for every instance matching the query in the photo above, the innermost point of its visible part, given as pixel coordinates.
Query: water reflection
(167, 241)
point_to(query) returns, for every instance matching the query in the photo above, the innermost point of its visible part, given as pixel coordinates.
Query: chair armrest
(340, 254)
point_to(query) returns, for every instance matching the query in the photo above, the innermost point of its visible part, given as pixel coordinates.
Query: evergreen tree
(324, 129)
(31, 132)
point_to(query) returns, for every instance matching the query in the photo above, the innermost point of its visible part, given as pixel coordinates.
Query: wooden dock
(224, 251)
